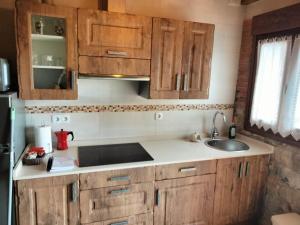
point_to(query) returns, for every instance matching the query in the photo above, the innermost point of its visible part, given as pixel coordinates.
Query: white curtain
(289, 121)
(271, 68)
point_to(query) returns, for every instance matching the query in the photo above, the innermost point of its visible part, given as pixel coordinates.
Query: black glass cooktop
(112, 154)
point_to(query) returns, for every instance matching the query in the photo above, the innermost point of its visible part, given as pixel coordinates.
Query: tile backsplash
(102, 125)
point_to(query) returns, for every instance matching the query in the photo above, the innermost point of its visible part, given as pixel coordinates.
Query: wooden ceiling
(247, 2)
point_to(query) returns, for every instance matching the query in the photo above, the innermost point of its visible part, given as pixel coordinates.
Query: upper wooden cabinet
(181, 59)
(114, 43)
(166, 61)
(196, 60)
(48, 201)
(47, 51)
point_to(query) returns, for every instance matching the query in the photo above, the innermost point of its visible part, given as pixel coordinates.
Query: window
(275, 107)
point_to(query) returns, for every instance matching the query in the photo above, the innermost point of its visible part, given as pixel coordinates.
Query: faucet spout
(215, 132)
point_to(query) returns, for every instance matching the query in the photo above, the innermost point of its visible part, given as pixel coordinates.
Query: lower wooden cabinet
(48, 201)
(185, 201)
(215, 192)
(239, 189)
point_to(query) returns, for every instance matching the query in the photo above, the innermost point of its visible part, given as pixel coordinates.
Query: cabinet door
(252, 189)
(167, 44)
(227, 193)
(112, 34)
(196, 60)
(185, 201)
(48, 201)
(47, 51)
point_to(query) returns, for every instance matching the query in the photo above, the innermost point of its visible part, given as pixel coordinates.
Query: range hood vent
(115, 77)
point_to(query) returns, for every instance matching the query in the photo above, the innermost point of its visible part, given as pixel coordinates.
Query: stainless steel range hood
(115, 77)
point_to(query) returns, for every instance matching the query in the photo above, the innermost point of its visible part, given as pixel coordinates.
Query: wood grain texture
(185, 169)
(166, 60)
(105, 179)
(142, 219)
(109, 203)
(24, 11)
(252, 188)
(185, 201)
(107, 66)
(47, 201)
(287, 18)
(101, 32)
(196, 59)
(227, 191)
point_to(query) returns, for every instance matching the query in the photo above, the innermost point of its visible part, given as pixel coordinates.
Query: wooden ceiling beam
(247, 2)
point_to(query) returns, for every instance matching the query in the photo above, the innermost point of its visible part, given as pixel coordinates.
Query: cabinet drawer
(116, 177)
(107, 66)
(143, 219)
(185, 169)
(116, 202)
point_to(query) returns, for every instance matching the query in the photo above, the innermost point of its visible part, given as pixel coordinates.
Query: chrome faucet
(214, 131)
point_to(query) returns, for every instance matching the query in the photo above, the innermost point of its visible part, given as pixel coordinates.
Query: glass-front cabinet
(47, 51)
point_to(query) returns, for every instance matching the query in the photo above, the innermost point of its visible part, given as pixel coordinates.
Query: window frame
(247, 126)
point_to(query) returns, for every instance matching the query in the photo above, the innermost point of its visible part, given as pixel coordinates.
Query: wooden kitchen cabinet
(47, 201)
(185, 201)
(47, 51)
(181, 59)
(166, 61)
(116, 43)
(239, 189)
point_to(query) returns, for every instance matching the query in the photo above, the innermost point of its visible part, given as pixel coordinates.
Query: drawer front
(185, 169)
(113, 34)
(116, 177)
(115, 202)
(142, 219)
(106, 66)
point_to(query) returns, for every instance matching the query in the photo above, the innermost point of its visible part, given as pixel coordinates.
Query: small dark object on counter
(232, 131)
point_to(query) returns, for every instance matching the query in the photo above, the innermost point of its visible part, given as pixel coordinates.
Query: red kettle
(62, 139)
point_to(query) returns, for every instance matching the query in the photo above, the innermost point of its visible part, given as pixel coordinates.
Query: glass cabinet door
(47, 51)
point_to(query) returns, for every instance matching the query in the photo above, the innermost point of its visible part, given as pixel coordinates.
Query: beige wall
(264, 6)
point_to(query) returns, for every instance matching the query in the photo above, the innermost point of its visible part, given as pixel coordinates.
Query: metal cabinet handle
(178, 81)
(125, 222)
(119, 178)
(119, 191)
(240, 170)
(74, 188)
(73, 79)
(186, 80)
(188, 169)
(157, 197)
(116, 53)
(247, 172)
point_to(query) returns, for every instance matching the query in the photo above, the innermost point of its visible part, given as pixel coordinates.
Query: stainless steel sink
(227, 145)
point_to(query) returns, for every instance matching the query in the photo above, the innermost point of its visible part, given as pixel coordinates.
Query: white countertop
(166, 151)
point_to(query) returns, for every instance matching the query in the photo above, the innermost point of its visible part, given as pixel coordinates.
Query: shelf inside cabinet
(48, 67)
(42, 37)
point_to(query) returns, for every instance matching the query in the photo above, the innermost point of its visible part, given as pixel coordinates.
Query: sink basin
(227, 145)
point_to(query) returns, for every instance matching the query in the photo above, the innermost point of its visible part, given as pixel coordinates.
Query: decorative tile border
(124, 108)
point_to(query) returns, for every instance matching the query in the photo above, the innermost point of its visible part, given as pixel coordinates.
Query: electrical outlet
(158, 116)
(61, 118)
(56, 118)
